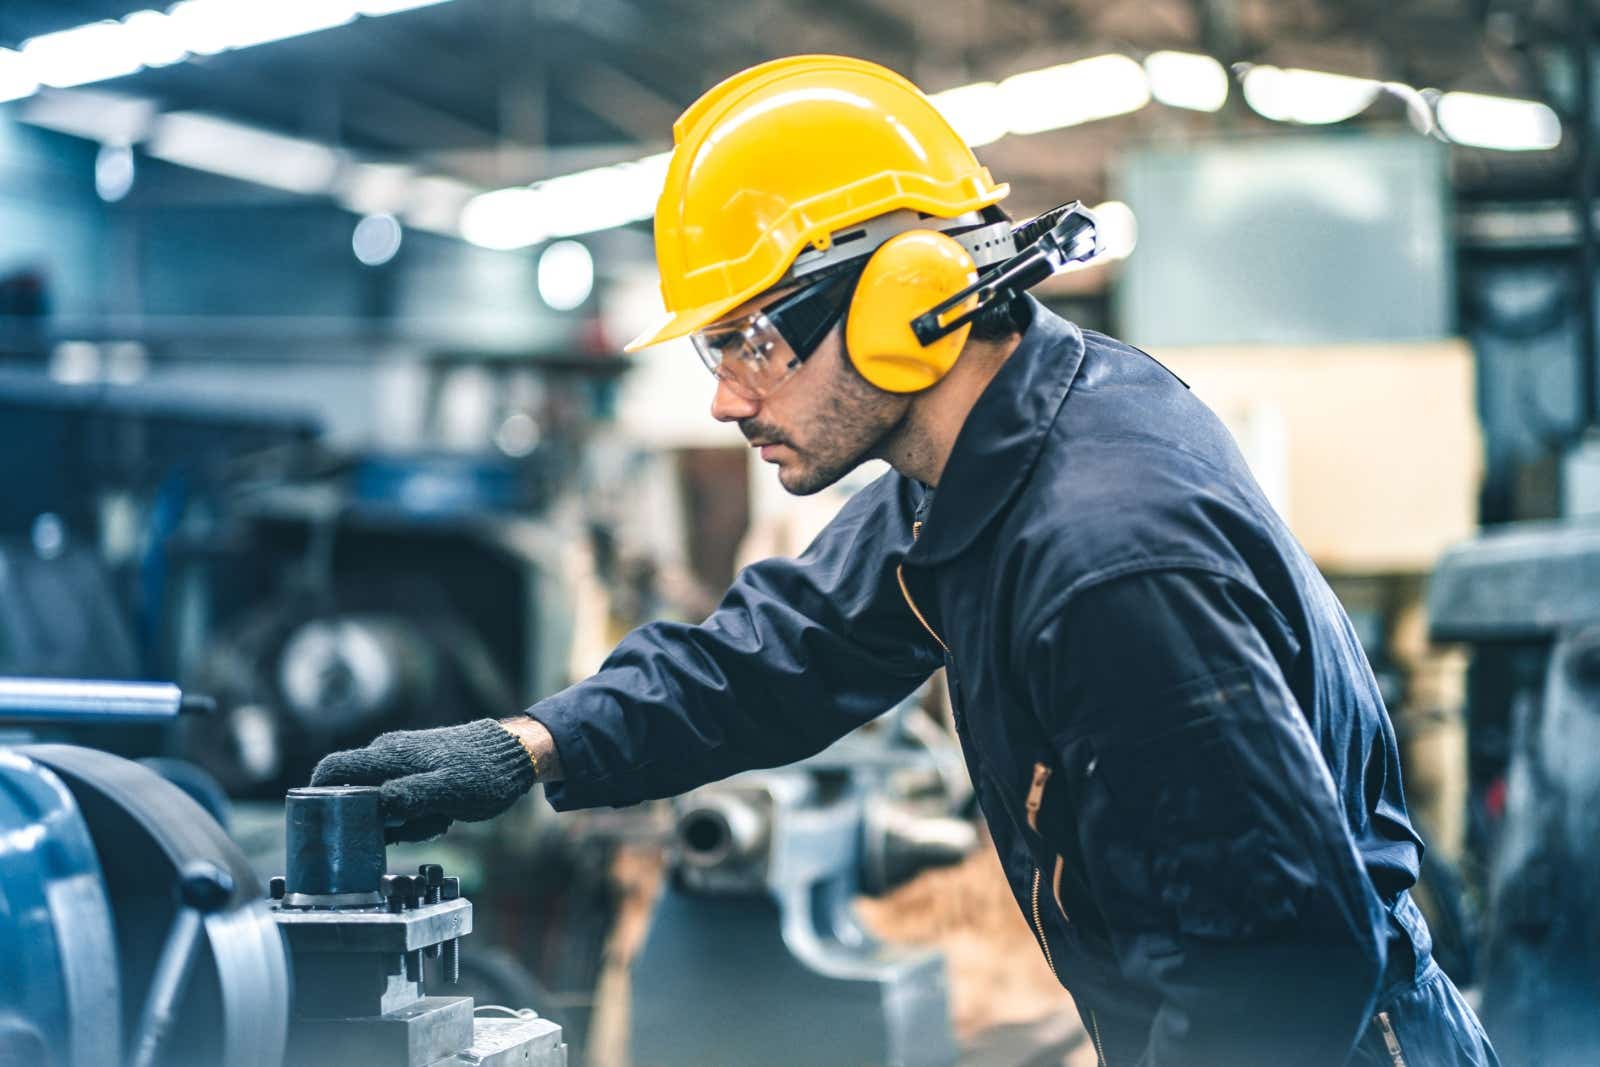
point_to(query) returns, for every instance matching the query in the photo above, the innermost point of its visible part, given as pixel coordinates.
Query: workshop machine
(135, 932)
(1532, 591)
(754, 952)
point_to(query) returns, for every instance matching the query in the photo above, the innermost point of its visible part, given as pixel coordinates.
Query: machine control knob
(275, 887)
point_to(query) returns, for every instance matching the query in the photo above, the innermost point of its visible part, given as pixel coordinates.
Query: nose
(729, 406)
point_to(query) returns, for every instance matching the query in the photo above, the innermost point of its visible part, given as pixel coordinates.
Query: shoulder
(1137, 476)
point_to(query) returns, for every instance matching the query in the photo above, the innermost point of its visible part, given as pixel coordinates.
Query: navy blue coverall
(1174, 735)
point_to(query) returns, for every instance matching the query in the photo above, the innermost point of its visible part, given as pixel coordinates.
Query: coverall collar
(1001, 439)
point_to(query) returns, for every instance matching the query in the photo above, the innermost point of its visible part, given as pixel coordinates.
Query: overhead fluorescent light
(1073, 93)
(1310, 97)
(93, 114)
(975, 111)
(1498, 122)
(151, 36)
(100, 50)
(503, 219)
(1187, 80)
(389, 7)
(83, 54)
(16, 77)
(220, 146)
(207, 27)
(568, 205)
(436, 203)
(375, 188)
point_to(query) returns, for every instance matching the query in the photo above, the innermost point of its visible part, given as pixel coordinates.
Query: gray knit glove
(431, 777)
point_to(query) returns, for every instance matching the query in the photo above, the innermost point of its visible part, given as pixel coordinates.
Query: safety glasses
(746, 352)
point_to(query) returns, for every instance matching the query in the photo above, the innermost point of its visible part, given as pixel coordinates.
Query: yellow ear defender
(914, 302)
(907, 275)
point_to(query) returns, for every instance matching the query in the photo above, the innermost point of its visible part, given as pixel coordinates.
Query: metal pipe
(74, 701)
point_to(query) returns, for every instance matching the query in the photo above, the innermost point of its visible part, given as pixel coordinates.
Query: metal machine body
(1538, 584)
(755, 954)
(359, 937)
(136, 933)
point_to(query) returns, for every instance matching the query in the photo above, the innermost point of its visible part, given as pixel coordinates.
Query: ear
(908, 274)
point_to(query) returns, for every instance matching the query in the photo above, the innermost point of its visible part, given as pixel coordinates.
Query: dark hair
(1000, 320)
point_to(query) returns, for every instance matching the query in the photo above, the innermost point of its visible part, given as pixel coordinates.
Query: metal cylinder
(335, 846)
(76, 701)
(721, 829)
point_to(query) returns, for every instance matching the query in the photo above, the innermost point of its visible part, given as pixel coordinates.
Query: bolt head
(451, 888)
(431, 873)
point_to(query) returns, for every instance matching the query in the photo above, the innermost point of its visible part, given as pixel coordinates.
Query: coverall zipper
(1033, 799)
(1391, 1040)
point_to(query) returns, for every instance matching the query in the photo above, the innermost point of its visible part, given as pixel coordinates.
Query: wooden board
(1373, 453)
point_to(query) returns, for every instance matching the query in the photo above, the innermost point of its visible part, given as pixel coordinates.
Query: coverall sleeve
(798, 653)
(1214, 844)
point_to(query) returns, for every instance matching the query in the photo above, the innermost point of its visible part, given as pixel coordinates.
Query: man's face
(821, 423)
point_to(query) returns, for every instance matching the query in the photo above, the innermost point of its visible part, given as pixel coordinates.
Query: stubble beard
(856, 422)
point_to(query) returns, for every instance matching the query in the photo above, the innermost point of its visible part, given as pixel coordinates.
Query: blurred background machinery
(754, 952)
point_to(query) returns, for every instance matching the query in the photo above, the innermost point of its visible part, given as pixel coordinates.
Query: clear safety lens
(740, 353)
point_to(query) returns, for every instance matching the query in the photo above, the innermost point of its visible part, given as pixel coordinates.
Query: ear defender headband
(916, 297)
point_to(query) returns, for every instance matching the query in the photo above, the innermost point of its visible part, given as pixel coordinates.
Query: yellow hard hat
(781, 157)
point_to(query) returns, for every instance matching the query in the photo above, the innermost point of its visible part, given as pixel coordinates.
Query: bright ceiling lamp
(975, 111)
(83, 54)
(571, 204)
(1497, 122)
(206, 27)
(220, 146)
(1311, 97)
(1073, 93)
(97, 51)
(505, 218)
(389, 7)
(1119, 229)
(1187, 80)
(16, 77)
(151, 37)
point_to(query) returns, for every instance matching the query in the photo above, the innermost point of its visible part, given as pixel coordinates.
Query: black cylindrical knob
(275, 887)
(334, 840)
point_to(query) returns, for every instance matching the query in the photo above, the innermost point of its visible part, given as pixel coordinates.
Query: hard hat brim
(671, 326)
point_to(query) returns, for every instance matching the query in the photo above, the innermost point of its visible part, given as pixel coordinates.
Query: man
(1174, 736)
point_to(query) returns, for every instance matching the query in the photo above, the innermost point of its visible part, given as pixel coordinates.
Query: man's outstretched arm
(799, 652)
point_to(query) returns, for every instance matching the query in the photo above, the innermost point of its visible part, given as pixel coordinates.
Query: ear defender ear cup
(908, 274)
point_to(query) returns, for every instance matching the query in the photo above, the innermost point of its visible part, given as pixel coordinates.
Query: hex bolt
(450, 889)
(433, 875)
(389, 887)
(275, 887)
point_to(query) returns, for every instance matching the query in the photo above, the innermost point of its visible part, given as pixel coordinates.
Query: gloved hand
(431, 777)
